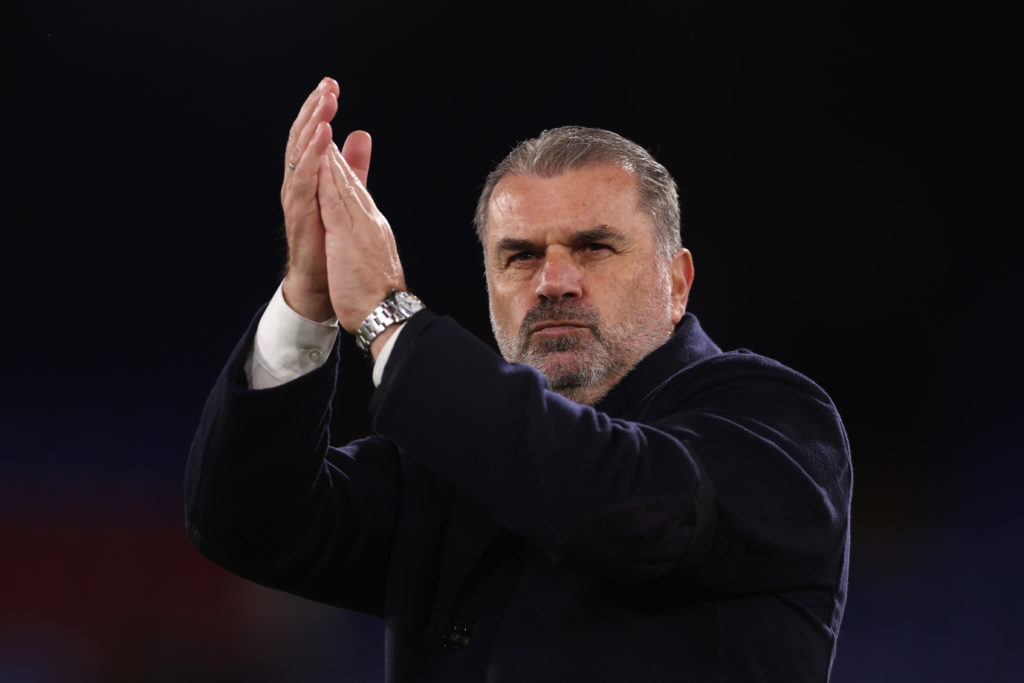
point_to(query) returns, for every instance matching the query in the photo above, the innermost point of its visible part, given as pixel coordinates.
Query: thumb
(356, 151)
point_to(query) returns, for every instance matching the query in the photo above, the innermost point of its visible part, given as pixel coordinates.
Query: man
(617, 500)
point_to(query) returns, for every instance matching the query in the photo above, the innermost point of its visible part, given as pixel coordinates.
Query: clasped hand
(342, 257)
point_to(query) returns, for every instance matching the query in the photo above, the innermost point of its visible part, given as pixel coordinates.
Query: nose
(559, 278)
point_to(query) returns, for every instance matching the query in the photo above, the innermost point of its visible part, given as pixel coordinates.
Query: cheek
(625, 288)
(647, 291)
(502, 302)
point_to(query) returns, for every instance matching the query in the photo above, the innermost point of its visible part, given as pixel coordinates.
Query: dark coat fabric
(692, 526)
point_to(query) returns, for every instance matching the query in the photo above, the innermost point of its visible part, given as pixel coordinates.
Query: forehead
(527, 206)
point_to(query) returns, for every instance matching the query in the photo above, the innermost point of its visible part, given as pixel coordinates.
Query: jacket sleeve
(620, 498)
(268, 499)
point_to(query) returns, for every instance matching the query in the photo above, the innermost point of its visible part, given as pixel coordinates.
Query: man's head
(585, 270)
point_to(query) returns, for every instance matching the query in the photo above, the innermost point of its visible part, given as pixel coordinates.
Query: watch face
(407, 302)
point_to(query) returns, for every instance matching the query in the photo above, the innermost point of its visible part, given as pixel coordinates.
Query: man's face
(578, 287)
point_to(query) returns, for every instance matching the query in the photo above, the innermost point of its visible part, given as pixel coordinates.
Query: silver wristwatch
(396, 307)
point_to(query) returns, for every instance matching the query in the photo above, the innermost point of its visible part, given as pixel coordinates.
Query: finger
(344, 198)
(350, 188)
(356, 152)
(304, 177)
(328, 88)
(332, 198)
(326, 108)
(327, 192)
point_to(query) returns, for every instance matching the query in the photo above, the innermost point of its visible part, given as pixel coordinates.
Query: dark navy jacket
(693, 526)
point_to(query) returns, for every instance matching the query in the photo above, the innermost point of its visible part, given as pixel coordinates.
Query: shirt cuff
(287, 345)
(385, 353)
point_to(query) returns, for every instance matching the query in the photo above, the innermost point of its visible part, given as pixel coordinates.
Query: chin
(565, 370)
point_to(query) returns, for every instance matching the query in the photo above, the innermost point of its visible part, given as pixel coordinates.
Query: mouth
(556, 327)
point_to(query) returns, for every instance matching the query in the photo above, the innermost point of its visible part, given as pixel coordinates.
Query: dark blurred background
(845, 171)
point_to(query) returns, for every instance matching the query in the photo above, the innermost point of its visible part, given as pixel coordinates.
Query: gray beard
(597, 366)
(593, 354)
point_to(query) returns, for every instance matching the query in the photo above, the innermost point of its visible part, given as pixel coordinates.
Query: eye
(594, 248)
(521, 256)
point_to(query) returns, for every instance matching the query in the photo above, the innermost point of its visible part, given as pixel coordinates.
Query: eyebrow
(599, 233)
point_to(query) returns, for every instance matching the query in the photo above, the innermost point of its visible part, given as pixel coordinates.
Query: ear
(681, 271)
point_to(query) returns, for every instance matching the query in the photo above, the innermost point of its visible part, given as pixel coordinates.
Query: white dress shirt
(287, 346)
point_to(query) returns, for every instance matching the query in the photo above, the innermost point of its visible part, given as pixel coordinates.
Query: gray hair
(568, 148)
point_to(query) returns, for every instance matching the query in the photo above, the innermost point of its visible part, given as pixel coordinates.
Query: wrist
(378, 343)
(306, 301)
(396, 307)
